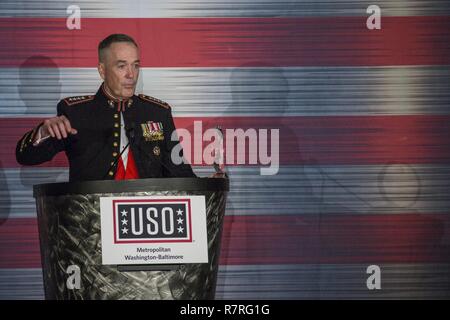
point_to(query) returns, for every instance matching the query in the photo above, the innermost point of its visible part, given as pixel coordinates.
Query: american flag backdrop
(364, 119)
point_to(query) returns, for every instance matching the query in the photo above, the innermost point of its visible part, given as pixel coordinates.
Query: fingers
(54, 126)
(68, 126)
(50, 127)
(50, 130)
(59, 127)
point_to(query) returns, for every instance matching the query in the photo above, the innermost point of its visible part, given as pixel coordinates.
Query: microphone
(219, 162)
(130, 133)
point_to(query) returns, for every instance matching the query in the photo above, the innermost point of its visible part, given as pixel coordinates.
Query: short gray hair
(109, 40)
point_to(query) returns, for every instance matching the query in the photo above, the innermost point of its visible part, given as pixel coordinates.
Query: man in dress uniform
(95, 130)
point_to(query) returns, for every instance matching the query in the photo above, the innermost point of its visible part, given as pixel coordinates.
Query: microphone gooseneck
(130, 132)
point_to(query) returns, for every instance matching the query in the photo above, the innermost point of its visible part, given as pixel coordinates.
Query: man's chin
(128, 92)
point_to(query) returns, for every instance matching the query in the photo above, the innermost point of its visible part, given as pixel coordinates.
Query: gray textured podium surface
(69, 227)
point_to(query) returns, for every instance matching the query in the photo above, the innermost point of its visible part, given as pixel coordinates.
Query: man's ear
(101, 70)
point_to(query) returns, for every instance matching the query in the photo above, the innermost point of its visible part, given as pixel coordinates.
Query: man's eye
(121, 66)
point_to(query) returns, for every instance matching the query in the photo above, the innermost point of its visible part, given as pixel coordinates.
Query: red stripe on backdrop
(230, 42)
(412, 139)
(19, 244)
(402, 238)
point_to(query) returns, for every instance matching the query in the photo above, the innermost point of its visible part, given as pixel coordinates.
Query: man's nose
(130, 73)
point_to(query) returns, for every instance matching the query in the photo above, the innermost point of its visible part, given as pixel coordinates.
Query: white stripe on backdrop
(212, 8)
(302, 91)
(297, 190)
(325, 281)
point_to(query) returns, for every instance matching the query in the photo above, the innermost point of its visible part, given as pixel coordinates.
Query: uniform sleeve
(173, 170)
(28, 154)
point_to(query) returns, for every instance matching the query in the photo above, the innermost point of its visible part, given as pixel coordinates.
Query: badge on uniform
(156, 151)
(152, 131)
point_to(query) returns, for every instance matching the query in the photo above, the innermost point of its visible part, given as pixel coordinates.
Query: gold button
(115, 144)
(116, 134)
(116, 125)
(116, 116)
(112, 162)
(111, 173)
(114, 154)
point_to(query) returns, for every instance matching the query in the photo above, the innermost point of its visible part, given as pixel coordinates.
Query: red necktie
(130, 172)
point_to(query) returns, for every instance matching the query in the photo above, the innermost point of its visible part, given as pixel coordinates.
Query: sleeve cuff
(38, 138)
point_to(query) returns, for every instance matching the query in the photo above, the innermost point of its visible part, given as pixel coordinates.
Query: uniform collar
(111, 101)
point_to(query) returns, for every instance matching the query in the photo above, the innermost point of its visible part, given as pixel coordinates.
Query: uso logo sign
(150, 221)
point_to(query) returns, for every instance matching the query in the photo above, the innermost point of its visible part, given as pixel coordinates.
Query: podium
(69, 222)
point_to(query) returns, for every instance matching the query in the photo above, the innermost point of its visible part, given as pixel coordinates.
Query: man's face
(120, 69)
